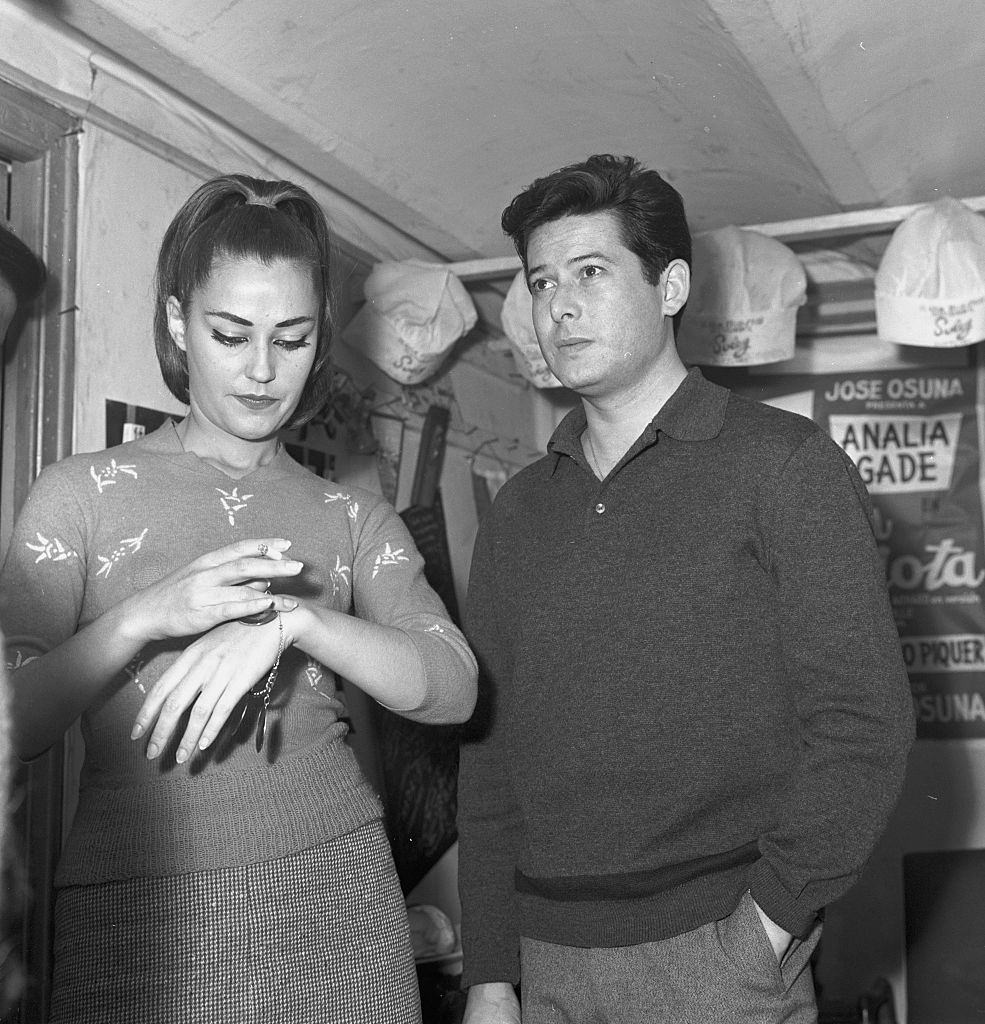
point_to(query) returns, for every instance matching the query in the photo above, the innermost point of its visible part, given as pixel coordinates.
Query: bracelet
(264, 694)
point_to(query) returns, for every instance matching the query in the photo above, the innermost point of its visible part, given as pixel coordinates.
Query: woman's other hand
(210, 590)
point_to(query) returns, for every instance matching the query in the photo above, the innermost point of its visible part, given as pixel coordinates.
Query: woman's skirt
(318, 936)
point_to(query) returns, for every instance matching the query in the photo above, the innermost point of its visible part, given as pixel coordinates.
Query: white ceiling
(434, 113)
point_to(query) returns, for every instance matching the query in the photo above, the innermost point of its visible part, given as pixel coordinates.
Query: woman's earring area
(176, 321)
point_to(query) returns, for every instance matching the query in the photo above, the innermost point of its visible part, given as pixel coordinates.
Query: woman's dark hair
(649, 210)
(19, 267)
(235, 217)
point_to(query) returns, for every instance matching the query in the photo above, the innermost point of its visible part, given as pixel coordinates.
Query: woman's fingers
(196, 685)
(225, 706)
(270, 548)
(206, 682)
(205, 711)
(247, 567)
(157, 695)
(168, 700)
(246, 561)
(235, 602)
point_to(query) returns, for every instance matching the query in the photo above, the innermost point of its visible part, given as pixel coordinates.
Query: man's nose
(564, 304)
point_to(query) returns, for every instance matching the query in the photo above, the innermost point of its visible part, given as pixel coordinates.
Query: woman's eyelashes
(293, 344)
(231, 341)
(234, 340)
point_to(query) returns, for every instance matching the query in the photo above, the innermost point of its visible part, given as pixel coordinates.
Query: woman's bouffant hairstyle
(235, 217)
(649, 210)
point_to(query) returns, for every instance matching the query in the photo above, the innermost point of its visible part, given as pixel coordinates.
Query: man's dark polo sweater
(695, 680)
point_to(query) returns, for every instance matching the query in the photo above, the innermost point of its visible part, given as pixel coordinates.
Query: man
(697, 711)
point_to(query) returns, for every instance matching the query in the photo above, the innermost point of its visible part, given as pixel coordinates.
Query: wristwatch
(260, 618)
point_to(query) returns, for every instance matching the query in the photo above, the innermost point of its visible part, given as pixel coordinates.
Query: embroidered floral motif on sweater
(233, 502)
(19, 661)
(388, 556)
(351, 507)
(315, 675)
(53, 550)
(108, 474)
(128, 546)
(340, 576)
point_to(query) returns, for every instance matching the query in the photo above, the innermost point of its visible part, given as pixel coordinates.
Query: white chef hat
(930, 285)
(516, 318)
(745, 291)
(414, 313)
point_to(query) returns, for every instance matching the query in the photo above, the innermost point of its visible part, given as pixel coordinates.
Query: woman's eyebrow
(232, 318)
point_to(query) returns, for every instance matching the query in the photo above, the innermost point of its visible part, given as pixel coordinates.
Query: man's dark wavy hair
(236, 217)
(649, 210)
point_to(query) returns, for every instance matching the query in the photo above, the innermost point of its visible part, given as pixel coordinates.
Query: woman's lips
(255, 401)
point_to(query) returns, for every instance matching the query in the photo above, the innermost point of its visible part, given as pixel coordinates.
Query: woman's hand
(210, 590)
(211, 677)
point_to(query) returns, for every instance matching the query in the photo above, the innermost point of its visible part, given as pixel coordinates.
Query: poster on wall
(915, 436)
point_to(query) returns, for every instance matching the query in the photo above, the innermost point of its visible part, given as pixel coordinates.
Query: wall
(121, 222)
(942, 808)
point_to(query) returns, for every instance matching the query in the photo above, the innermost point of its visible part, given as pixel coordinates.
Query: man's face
(600, 324)
(8, 307)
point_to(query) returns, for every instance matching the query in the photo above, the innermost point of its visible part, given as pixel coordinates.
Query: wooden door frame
(41, 143)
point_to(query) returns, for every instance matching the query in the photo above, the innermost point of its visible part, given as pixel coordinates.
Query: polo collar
(694, 412)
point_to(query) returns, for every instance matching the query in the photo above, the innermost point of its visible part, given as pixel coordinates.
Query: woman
(227, 860)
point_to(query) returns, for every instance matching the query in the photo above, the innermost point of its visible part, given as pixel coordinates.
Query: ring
(263, 550)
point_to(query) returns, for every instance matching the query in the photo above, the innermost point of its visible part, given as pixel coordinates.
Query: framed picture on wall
(125, 422)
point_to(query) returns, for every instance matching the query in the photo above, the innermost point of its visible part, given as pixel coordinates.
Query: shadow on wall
(867, 933)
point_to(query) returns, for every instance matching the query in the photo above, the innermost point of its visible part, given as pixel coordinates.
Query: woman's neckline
(211, 466)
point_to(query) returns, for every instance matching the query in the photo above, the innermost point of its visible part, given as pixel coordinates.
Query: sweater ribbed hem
(608, 923)
(217, 822)
(787, 911)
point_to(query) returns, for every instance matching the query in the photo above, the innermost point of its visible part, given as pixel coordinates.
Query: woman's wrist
(297, 625)
(132, 624)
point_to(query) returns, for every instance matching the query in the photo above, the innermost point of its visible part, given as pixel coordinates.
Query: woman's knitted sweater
(95, 529)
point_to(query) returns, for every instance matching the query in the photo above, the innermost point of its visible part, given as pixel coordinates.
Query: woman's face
(250, 335)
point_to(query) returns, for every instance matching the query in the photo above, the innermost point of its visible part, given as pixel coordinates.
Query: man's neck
(615, 422)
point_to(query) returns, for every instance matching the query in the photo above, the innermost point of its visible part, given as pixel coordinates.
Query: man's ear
(676, 284)
(176, 322)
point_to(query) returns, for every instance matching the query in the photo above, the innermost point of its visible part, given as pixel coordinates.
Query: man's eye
(591, 271)
(540, 285)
